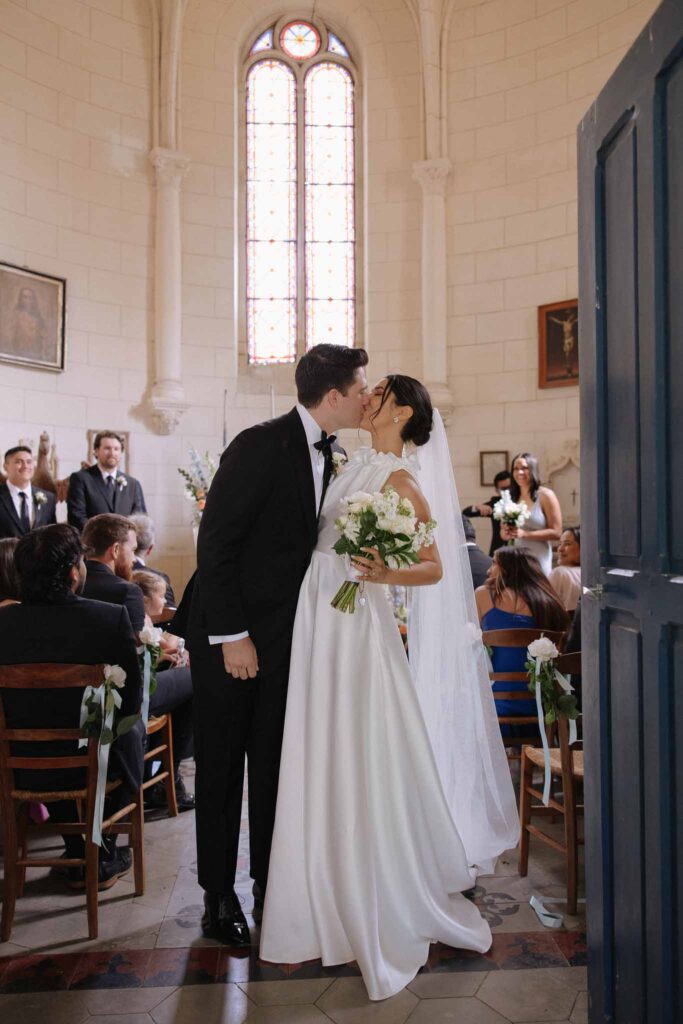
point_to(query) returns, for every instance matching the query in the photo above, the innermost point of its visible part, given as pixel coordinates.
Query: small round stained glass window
(300, 40)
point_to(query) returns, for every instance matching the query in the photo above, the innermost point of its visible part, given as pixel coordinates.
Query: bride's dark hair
(408, 391)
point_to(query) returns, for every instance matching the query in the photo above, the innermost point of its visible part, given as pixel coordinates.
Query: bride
(394, 789)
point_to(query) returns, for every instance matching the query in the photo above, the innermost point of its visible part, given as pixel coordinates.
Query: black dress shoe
(109, 870)
(223, 919)
(155, 797)
(259, 896)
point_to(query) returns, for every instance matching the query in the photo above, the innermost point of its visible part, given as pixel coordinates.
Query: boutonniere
(339, 460)
(40, 497)
(121, 482)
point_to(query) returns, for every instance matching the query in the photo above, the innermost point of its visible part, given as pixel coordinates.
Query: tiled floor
(151, 963)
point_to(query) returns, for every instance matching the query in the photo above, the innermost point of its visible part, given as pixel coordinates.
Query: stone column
(167, 397)
(432, 175)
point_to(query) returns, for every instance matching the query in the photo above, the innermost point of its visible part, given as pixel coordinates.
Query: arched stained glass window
(300, 192)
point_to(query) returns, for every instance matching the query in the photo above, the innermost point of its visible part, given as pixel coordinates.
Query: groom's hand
(240, 658)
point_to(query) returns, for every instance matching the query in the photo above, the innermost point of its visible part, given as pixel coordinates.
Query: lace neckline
(364, 456)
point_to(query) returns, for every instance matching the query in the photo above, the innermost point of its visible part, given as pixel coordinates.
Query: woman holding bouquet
(394, 789)
(545, 521)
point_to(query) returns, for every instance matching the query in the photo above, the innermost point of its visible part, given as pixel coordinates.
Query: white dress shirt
(28, 491)
(107, 473)
(313, 434)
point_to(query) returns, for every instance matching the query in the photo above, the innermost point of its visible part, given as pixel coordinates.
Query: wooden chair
(163, 752)
(566, 763)
(14, 801)
(517, 638)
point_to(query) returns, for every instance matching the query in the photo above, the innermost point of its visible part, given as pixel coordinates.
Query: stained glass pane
(329, 205)
(271, 213)
(300, 40)
(335, 45)
(264, 42)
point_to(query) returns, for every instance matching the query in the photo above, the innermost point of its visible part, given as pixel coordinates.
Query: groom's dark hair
(325, 368)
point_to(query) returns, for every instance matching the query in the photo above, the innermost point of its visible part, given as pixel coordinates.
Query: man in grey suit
(103, 487)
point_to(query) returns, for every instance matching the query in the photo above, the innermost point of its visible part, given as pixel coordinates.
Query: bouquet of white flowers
(512, 513)
(384, 521)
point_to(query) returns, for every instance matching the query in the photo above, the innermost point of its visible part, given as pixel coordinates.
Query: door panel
(631, 337)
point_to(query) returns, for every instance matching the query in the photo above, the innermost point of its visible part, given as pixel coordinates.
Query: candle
(272, 401)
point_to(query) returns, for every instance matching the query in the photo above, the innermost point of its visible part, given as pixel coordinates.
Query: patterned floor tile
(111, 970)
(194, 966)
(573, 946)
(39, 973)
(526, 950)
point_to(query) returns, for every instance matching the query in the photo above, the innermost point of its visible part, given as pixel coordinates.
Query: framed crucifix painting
(558, 344)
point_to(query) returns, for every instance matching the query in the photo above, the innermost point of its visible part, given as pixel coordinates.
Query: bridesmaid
(545, 524)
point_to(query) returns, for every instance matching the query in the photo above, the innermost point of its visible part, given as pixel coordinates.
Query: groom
(258, 530)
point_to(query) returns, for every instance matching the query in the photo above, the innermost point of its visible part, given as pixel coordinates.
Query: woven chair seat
(53, 795)
(535, 755)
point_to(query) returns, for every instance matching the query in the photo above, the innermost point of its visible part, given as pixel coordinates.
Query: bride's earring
(396, 419)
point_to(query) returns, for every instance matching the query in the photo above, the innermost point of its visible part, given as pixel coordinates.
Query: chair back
(39, 677)
(568, 665)
(516, 638)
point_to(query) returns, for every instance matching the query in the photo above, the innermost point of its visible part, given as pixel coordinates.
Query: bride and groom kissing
(377, 789)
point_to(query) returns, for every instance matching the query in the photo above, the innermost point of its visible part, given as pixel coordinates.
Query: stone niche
(564, 477)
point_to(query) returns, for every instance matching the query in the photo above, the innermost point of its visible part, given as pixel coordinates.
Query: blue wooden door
(631, 336)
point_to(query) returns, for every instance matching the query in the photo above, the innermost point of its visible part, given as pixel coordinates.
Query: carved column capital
(432, 175)
(170, 164)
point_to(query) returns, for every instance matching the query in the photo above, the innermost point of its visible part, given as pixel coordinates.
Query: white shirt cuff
(227, 639)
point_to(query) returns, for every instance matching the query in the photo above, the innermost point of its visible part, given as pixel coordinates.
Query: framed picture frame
(92, 434)
(32, 318)
(491, 463)
(558, 344)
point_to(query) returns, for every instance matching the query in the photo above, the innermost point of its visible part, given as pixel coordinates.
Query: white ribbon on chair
(146, 680)
(568, 688)
(102, 751)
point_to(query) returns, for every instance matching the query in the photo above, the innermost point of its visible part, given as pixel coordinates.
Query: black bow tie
(325, 443)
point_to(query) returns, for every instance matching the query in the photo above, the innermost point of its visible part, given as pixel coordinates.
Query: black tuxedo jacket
(103, 585)
(257, 533)
(73, 631)
(479, 564)
(88, 496)
(9, 519)
(472, 513)
(170, 596)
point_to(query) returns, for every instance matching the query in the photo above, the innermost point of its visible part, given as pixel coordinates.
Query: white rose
(150, 635)
(116, 675)
(359, 501)
(543, 649)
(351, 530)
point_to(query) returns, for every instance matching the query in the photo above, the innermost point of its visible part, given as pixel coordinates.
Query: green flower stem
(345, 598)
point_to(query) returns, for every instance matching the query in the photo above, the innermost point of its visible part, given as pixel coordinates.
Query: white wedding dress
(366, 863)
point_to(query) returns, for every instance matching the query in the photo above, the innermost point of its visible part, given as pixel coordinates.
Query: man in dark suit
(103, 487)
(22, 506)
(501, 482)
(146, 533)
(110, 542)
(479, 562)
(255, 542)
(54, 624)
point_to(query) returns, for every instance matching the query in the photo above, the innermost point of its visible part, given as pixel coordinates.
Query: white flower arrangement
(150, 636)
(39, 497)
(512, 513)
(339, 460)
(384, 521)
(115, 675)
(543, 650)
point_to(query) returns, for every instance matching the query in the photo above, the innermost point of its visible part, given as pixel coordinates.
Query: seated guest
(103, 487)
(144, 527)
(23, 507)
(565, 578)
(54, 624)
(109, 541)
(479, 562)
(516, 595)
(9, 582)
(501, 482)
(153, 589)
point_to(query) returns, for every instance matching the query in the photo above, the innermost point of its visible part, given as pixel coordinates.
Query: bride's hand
(372, 569)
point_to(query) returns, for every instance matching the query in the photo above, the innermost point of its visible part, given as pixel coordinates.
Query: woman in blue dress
(516, 595)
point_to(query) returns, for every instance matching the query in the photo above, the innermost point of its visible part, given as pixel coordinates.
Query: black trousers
(174, 693)
(235, 719)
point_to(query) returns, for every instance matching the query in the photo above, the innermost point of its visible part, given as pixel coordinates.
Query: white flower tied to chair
(541, 666)
(149, 651)
(449, 665)
(98, 707)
